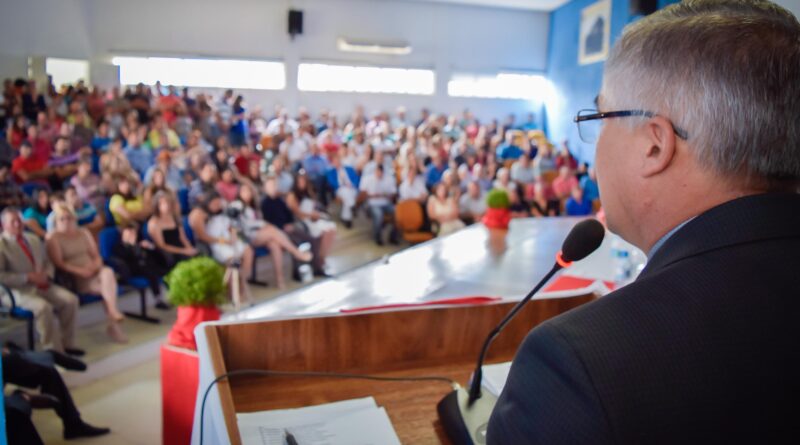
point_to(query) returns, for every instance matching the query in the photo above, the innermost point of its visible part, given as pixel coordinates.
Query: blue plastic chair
(259, 252)
(30, 188)
(183, 201)
(17, 313)
(110, 222)
(188, 229)
(108, 238)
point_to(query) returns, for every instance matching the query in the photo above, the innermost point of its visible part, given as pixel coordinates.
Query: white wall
(444, 37)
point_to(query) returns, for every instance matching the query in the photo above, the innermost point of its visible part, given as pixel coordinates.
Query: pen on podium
(290, 440)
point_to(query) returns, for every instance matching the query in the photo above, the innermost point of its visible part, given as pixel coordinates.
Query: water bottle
(305, 270)
(306, 274)
(621, 260)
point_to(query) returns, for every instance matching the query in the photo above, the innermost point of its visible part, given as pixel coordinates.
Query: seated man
(139, 156)
(472, 204)
(63, 162)
(172, 174)
(343, 181)
(577, 205)
(509, 150)
(316, 166)
(27, 370)
(276, 212)
(27, 168)
(381, 190)
(702, 346)
(10, 193)
(23, 263)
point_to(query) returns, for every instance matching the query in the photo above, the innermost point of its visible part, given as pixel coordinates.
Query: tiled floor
(121, 389)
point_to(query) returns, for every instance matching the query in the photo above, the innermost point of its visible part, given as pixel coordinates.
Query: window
(211, 73)
(66, 71)
(364, 79)
(500, 86)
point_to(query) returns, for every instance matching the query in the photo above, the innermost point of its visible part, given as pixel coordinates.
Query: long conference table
(307, 330)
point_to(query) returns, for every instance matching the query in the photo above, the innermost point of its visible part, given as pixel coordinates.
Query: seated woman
(158, 184)
(133, 257)
(226, 244)
(86, 213)
(302, 203)
(519, 208)
(35, 216)
(114, 164)
(262, 234)
(125, 205)
(443, 209)
(166, 230)
(87, 184)
(73, 251)
(228, 187)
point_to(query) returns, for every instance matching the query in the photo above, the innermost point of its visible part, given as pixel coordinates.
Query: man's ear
(660, 139)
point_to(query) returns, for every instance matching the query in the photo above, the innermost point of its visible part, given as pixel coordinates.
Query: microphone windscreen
(582, 240)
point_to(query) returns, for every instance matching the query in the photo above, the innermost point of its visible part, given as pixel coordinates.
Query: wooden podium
(432, 341)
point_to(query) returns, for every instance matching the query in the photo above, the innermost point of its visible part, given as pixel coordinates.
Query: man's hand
(38, 279)
(147, 244)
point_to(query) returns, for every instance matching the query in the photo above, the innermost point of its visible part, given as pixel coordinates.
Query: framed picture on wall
(595, 32)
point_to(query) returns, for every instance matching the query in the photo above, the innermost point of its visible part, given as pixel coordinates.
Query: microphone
(465, 421)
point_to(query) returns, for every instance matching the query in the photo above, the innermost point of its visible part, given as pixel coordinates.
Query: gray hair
(727, 72)
(8, 211)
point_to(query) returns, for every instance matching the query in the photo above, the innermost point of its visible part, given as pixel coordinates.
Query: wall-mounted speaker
(295, 22)
(643, 7)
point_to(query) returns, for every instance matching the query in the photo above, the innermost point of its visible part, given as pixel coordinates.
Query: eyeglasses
(590, 122)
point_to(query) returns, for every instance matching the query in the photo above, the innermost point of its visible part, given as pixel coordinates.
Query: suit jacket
(332, 176)
(15, 265)
(701, 348)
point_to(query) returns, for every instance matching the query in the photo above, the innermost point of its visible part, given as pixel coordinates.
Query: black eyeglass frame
(681, 133)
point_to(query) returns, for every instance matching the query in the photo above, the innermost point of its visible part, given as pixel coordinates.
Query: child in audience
(139, 258)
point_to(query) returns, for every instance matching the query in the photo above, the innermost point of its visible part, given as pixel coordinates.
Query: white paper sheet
(352, 422)
(495, 376)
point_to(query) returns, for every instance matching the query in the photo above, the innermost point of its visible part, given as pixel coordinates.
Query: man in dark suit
(702, 347)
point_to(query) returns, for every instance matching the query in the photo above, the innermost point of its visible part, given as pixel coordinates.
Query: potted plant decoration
(196, 287)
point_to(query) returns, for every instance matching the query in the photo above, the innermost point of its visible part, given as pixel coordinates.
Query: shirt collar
(664, 238)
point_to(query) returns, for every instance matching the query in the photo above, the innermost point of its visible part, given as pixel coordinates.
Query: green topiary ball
(196, 282)
(498, 199)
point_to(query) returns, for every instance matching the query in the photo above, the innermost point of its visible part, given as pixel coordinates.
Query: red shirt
(168, 104)
(243, 162)
(42, 148)
(568, 161)
(331, 149)
(27, 165)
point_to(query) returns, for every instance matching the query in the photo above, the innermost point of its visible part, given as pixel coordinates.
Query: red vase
(497, 218)
(182, 332)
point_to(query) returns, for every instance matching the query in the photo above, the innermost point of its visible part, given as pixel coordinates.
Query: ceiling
(530, 5)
